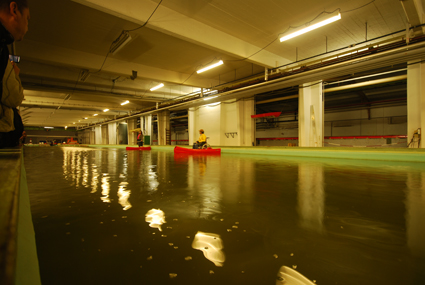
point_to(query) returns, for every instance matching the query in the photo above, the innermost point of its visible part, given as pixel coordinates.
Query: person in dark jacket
(14, 17)
(140, 139)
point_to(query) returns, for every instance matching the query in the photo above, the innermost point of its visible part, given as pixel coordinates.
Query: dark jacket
(11, 95)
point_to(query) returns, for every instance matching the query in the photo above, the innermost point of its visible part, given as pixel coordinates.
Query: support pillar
(245, 124)
(112, 132)
(98, 135)
(192, 119)
(415, 103)
(163, 126)
(311, 115)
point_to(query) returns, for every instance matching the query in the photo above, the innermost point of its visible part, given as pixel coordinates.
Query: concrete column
(163, 125)
(112, 132)
(311, 115)
(98, 135)
(131, 125)
(415, 103)
(192, 119)
(245, 124)
(146, 125)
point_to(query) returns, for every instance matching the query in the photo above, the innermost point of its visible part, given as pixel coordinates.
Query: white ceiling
(66, 37)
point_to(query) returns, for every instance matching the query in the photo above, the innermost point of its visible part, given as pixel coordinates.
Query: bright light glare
(209, 98)
(95, 115)
(155, 218)
(157, 87)
(211, 245)
(106, 110)
(125, 103)
(210, 66)
(312, 27)
(85, 118)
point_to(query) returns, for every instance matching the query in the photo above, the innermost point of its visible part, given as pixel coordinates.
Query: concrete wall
(385, 121)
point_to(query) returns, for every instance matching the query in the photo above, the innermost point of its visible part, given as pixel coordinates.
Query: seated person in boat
(201, 141)
(140, 139)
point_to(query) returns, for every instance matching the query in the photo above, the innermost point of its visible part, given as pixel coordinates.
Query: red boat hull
(138, 148)
(182, 150)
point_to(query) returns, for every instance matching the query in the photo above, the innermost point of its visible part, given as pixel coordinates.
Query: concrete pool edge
(382, 154)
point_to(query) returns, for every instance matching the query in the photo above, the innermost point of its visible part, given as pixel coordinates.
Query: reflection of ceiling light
(48, 127)
(212, 104)
(120, 42)
(310, 28)
(157, 87)
(106, 110)
(210, 66)
(95, 115)
(125, 103)
(209, 98)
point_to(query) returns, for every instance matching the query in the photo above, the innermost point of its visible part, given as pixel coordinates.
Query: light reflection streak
(94, 179)
(311, 196)
(211, 245)
(155, 218)
(123, 196)
(85, 182)
(152, 179)
(105, 188)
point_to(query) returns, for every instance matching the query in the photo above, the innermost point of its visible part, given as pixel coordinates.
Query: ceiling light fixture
(49, 127)
(209, 98)
(125, 103)
(210, 66)
(120, 42)
(95, 115)
(312, 27)
(85, 118)
(157, 87)
(106, 110)
(66, 127)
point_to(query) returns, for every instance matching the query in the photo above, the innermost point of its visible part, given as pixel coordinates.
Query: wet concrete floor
(110, 216)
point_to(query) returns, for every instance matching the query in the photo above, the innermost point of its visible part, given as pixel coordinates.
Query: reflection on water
(415, 214)
(311, 196)
(211, 245)
(155, 218)
(105, 188)
(289, 276)
(336, 221)
(123, 195)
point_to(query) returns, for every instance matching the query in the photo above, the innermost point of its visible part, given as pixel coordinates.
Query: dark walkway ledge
(18, 255)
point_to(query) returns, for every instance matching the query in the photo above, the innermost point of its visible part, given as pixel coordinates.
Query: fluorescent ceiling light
(125, 103)
(212, 104)
(48, 127)
(106, 110)
(312, 27)
(157, 87)
(209, 98)
(85, 118)
(210, 66)
(95, 115)
(120, 42)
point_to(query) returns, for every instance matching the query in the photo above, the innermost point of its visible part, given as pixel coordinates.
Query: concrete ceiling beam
(180, 26)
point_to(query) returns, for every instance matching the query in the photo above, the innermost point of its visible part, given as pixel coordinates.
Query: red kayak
(138, 148)
(184, 150)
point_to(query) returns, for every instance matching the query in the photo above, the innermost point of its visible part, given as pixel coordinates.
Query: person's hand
(15, 68)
